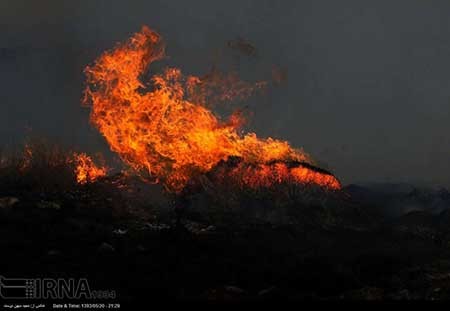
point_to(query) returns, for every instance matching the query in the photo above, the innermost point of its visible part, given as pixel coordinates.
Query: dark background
(368, 89)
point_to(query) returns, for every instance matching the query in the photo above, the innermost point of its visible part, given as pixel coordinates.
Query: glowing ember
(86, 171)
(170, 136)
(27, 158)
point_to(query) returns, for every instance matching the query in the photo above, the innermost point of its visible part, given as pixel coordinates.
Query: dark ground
(342, 248)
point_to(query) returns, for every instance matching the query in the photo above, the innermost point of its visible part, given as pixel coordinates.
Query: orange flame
(165, 134)
(86, 171)
(267, 175)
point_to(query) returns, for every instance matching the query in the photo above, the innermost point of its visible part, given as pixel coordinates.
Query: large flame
(166, 133)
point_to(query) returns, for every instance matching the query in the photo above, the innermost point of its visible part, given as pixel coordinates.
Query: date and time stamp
(63, 306)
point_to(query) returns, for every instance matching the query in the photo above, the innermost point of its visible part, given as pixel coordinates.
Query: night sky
(367, 93)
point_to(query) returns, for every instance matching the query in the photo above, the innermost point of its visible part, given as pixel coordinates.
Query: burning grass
(86, 170)
(44, 167)
(38, 165)
(47, 171)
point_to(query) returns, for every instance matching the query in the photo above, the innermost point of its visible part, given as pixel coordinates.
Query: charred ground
(285, 242)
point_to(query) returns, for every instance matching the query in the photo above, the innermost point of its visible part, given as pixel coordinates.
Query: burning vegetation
(40, 162)
(86, 171)
(266, 175)
(165, 131)
(253, 221)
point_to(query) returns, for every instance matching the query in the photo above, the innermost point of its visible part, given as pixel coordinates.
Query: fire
(267, 175)
(27, 158)
(164, 129)
(86, 171)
